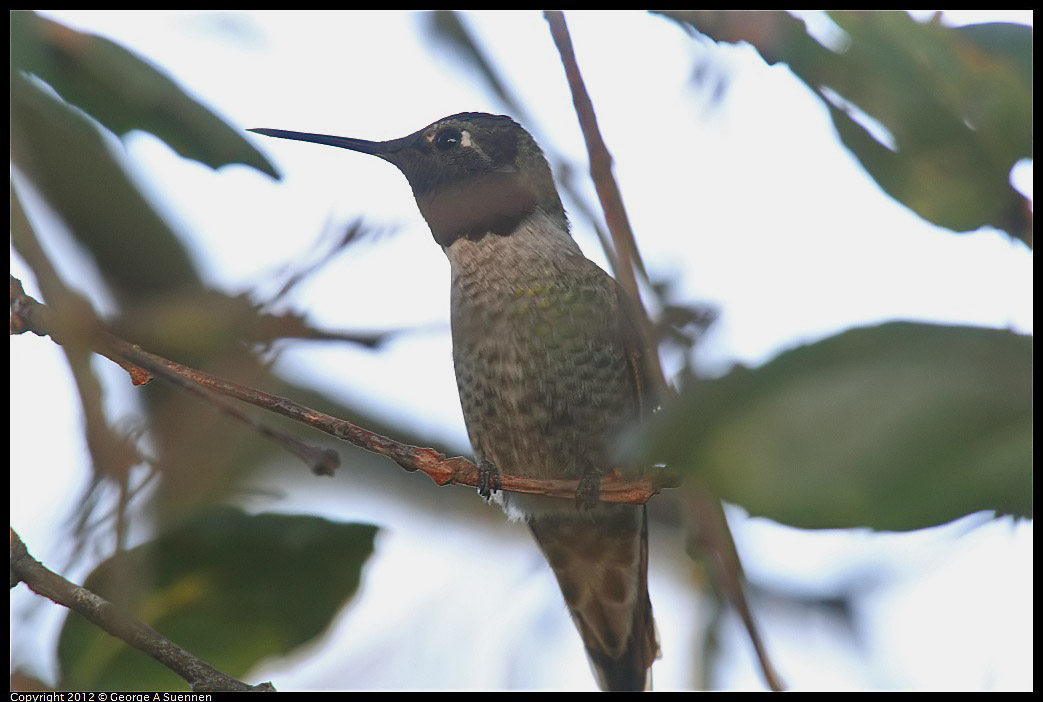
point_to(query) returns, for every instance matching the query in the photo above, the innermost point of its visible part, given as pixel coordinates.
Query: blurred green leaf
(894, 427)
(1012, 41)
(231, 588)
(956, 103)
(124, 92)
(65, 156)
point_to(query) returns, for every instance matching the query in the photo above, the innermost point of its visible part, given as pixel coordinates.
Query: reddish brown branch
(29, 315)
(201, 676)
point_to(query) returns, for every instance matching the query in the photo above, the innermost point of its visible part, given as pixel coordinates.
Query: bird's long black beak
(377, 148)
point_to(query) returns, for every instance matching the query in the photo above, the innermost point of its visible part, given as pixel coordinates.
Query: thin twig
(200, 676)
(626, 252)
(29, 315)
(712, 526)
(600, 158)
(710, 537)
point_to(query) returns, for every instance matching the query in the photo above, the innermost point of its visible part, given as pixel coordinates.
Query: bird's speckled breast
(540, 365)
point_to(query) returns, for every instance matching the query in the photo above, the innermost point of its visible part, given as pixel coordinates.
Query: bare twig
(30, 315)
(709, 536)
(626, 253)
(201, 676)
(711, 526)
(600, 158)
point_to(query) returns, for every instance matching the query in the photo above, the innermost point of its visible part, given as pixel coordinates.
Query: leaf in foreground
(893, 427)
(228, 587)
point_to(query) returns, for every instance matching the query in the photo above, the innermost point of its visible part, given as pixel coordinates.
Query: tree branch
(200, 676)
(29, 315)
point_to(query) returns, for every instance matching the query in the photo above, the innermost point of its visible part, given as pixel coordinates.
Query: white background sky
(750, 204)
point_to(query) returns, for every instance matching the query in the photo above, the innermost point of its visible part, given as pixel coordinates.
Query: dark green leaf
(955, 102)
(65, 156)
(1011, 41)
(123, 92)
(894, 427)
(230, 588)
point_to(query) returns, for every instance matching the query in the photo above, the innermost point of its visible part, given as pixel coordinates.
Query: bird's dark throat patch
(493, 203)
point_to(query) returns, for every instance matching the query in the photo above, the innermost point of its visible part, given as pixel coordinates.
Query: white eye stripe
(465, 138)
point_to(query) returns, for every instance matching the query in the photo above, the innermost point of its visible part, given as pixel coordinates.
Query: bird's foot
(588, 491)
(488, 478)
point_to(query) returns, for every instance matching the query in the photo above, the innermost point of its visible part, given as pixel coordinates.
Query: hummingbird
(549, 366)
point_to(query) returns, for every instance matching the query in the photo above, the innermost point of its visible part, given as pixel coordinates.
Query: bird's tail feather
(600, 559)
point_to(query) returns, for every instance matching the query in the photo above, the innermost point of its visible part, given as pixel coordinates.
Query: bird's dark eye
(448, 139)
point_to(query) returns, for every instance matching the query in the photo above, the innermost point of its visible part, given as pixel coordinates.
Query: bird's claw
(488, 478)
(588, 491)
